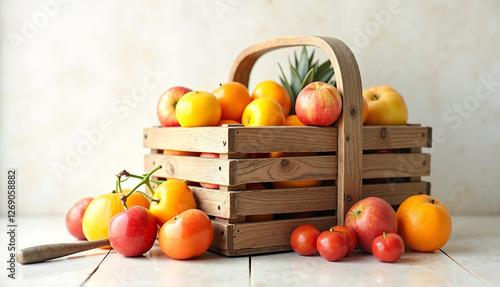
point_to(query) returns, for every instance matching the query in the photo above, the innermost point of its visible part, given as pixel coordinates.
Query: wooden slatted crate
(352, 160)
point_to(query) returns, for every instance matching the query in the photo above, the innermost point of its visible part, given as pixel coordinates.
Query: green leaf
(308, 79)
(311, 58)
(323, 68)
(302, 68)
(295, 81)
(326, 77)
(284, 81)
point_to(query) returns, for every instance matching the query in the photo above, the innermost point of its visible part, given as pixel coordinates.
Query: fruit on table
(197, 109)
(74, 217)
(303, 71)
(369, 218)
(332, 245)
(187, 235)
(170, 199)
(304, 238)
(424, 223)
(388, 247)
(263, 112)
(132, 232)
(233, 98)
(349, 233)
(318, 104)
(167, 102)
(272, 90)
(386, 106)
(95, 223)
(209, 155)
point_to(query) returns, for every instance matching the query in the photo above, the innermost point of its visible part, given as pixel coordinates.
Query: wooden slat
(285, 139)
(253, 235)
(285, 169)
(394, 137)
(239, 139)
(206, 139)
(241, 171)
(396, 193)
(396, 165)
(231, 204)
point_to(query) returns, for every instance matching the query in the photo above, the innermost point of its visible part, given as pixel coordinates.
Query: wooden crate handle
(350, 124)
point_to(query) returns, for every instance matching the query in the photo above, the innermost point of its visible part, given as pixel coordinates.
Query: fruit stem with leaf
(303, 71)
(145, 179)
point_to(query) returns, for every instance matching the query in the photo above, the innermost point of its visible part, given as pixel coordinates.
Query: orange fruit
(228, 122)
(197, 109)
(263, 112)
(295, 183)
(293, 120)
(275, 91)
(172, 198)
(233, 98)
(424, 223)
(365, 110)
(180, 152)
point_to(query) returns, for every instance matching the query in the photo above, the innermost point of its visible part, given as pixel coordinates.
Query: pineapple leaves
(308, 79)
(304, 69)
(303, 66)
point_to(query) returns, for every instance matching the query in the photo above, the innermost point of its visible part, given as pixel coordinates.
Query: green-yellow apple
(166, 105)
(318, 104)
(386, 106)
(369, 218)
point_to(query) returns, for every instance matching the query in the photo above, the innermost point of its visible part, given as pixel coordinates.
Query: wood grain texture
(242, 171)
(262, 235)
(243, 140)
(45, 252)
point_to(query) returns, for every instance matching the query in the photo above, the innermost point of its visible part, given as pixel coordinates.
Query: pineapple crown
(303, 71)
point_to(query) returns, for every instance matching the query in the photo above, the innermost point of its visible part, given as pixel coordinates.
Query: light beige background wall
(79, 80)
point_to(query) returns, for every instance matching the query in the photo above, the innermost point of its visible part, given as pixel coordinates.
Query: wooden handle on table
(350, 123)
(45, 252)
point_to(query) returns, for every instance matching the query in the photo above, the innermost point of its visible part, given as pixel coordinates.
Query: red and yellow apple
(369, 218)
(318, 104)
(166, 105)
(386, 106)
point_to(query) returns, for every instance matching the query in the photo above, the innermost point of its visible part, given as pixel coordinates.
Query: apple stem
(375, 97)
(385, 234)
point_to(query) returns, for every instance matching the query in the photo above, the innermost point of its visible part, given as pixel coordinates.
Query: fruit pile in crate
(263, 162)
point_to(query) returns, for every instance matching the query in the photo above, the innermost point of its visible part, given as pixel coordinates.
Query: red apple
(369, 218)
(166, 106)
(318, 104)
(74, 217)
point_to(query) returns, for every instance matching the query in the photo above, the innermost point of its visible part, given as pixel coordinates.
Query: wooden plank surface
(263, 234)
(469, 258)
(241, 171)
(239, 139)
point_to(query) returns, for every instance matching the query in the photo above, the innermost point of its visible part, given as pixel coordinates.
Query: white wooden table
(470, 258)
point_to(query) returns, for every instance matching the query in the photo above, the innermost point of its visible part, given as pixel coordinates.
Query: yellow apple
(386, 106)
